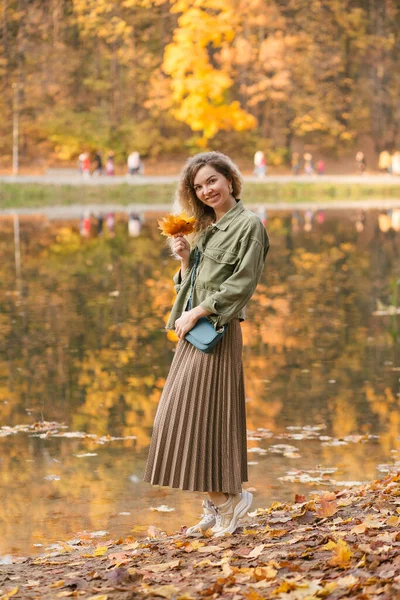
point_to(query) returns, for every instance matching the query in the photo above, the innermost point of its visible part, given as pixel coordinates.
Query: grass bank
(35, 195)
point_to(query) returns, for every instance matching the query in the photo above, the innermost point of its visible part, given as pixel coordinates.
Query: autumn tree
(201, 81)
(165, 76)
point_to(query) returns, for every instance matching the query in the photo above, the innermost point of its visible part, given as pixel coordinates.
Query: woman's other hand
(188, 320)
(185, 323)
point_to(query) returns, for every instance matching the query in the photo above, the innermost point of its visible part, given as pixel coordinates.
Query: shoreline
(114, 194)
(333, 545)
(75, 211)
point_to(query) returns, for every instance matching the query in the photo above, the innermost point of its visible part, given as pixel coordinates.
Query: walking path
(59, 178)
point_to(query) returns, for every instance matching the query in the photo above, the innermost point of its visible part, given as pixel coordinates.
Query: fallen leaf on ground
(342, 553)
(163, 566)
(194, 545)
(268, 572)
(347, 581)
(255, 553)
(371, 522)
(10, 593)
(100, 551)
(162, 508)
(165, 591)
(326, 505)
(58, 584)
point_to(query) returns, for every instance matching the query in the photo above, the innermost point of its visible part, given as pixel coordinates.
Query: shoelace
(219, 518)
(218, 521)
(207, 518)
(212, 509)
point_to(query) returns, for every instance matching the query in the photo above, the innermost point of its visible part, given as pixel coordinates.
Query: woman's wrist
(199, 312)
(184, 265)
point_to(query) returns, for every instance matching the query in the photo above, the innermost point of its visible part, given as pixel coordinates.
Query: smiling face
(214, 190)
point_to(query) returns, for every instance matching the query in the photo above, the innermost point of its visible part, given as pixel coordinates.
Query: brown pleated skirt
(199, 437)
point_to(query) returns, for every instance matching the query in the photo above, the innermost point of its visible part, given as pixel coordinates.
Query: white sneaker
(230, 512)
(207, 521)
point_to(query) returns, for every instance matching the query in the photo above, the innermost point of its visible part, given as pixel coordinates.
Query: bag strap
(193, 277)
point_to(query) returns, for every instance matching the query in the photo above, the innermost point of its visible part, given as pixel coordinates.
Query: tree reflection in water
(84, 345)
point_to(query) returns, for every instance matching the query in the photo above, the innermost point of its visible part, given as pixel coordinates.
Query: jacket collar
(229, 216)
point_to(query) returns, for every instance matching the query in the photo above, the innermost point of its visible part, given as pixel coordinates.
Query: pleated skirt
(199, 440)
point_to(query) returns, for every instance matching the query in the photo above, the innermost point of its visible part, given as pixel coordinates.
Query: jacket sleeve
(236, 290)
(178, 279)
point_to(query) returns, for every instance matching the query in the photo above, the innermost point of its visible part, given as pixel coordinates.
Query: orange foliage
(173, 225)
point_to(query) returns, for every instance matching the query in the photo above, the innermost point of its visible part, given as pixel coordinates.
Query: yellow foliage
(199, 88)
(342, 553)
(173, 225)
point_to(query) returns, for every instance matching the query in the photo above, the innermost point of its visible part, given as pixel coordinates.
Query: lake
(84, 356)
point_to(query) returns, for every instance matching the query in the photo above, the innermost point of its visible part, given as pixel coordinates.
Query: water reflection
(83, 344)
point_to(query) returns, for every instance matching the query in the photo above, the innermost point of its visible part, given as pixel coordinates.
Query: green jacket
(232, 258)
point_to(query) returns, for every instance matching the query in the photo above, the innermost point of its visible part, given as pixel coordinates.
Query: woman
(199, 436)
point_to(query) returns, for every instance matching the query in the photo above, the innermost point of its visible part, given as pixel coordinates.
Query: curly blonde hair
(185, 197)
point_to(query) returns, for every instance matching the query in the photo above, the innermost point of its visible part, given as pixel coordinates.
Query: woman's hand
(181, 247)
(185, 323)
(188, 319)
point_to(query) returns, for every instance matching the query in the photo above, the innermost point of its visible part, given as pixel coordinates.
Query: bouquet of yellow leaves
(173, 225)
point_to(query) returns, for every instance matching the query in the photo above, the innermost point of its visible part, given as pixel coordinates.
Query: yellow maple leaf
(342, 553)
(9, 594)
(173, 225)
(267, 572)
(165, 591)
(100, 551)
(194, 545)
(253, 595)
(58, 583)
(285, 587)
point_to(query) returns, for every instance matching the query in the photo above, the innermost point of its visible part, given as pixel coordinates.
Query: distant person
(110, 222)
(134, 225)
(361, 163)
(80, 162)
(260, 164)
(308, 219)
(86, 165)
(86, 225)
(396, 163)
(360, 221)
(296, 221)
(295, 163)
(320, 217)
(134, 164)
(321, 167)
(396, 219)
(308, 164)
(110, 166)
(98, 163)
(384, 221)
(100, 224)
(263, 214)
(385, 161)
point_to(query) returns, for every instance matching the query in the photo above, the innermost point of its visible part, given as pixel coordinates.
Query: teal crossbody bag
(203, 335)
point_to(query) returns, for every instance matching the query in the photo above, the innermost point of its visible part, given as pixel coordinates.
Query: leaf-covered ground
(337, 545)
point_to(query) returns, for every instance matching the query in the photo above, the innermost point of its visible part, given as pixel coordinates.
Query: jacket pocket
(216, 266)
(220, 256)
